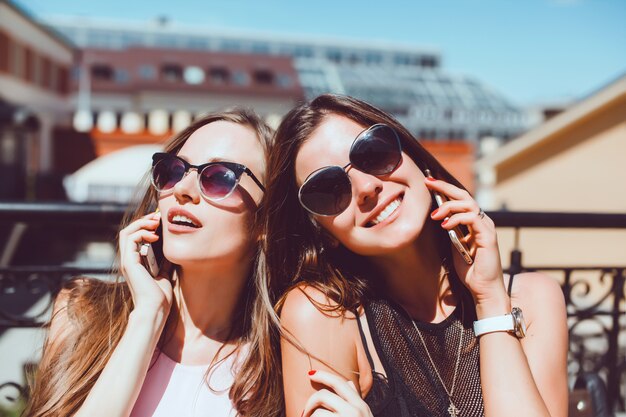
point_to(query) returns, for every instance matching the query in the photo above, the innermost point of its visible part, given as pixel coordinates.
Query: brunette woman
(383, 316)
(194, 340)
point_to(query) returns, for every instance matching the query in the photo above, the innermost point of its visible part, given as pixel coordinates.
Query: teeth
(391, 207)
(179, 218)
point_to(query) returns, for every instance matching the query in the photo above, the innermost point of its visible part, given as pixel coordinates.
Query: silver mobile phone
(456, 233)
(148, 259)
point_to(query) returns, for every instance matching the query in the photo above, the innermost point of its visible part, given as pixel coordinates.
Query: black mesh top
(412, 387)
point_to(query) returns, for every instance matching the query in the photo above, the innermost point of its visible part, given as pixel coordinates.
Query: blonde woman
(194, 340)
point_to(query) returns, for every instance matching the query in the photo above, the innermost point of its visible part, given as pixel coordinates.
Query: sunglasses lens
(377, 151)
(217, 181)
(327, 192)
(167, 172)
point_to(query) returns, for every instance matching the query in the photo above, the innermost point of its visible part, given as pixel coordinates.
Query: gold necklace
(452, 409)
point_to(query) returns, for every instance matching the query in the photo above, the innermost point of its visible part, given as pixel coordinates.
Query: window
(172, 73)
(55, 78)
(17, 58)
(402, 60)
(241, 77)
(428, 62)
(64, 78)
(218, 75)
(333, 55)
(303, 52)
(4, 52)
(231, 45)
(121, 76)
(74, 73)
(37, 70)
(260, 48)
(284, 80)
(101, 72)
(263, 77)
(373, 58)
(197, 43)
(147, 72)
(354, 59)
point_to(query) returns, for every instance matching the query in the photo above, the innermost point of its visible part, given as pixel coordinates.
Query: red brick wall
(457, 157)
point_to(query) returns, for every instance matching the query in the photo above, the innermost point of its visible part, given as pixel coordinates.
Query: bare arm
(119, 384)
(327, 336)
(527, 377)
(519, 378)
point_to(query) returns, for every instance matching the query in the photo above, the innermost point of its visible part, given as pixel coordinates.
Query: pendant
(454, 412)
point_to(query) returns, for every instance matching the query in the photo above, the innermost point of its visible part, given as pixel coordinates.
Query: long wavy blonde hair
(97, 314)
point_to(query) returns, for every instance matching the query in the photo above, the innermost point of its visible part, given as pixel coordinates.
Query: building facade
(574, 162)
(406, 81)
(143, 95)
(35, 62)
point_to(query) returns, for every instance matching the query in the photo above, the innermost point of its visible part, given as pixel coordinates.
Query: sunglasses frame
(237, 169)
(343, 168)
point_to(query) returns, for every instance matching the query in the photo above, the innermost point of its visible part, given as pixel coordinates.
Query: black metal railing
(594, 294)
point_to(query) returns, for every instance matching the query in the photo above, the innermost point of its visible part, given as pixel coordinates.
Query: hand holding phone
(148, 258)
(455, 234)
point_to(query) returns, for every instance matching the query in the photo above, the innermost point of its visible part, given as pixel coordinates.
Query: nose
(365, 187)
(186, 190)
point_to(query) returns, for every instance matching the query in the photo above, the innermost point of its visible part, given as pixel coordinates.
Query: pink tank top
(173, 389)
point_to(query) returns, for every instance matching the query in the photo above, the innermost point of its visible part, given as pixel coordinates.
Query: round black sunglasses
(328, 191)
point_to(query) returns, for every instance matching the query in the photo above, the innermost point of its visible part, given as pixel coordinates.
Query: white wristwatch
(512, 323)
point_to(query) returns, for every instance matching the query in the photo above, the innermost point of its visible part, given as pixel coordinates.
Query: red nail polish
(430, 179)
(312, 372)
(434, 213)
(443, 223)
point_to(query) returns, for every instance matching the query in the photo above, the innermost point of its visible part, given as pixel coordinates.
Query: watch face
(518, 322)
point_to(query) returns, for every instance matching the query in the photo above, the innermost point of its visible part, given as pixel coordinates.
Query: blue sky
(532, 51)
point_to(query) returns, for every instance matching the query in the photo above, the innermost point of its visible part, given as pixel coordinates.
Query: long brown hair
(297, 249)
(97, 314)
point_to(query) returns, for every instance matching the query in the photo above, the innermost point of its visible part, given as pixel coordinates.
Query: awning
(113, 177)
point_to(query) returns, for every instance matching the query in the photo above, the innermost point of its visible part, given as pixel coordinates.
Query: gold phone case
(456, 233)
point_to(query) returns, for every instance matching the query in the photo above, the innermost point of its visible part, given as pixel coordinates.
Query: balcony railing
(595, 298)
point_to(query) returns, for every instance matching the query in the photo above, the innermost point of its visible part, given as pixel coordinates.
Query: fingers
(451, 191)
(340, 397)
(454, 206)
(141, 230)
(462, 207)
(338, 384)
(143, 223)
(327, 400)
(320, 412)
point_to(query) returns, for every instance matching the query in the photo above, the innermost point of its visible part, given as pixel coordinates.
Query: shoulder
(538, 295)
(317, 334)
(530, 286)
(308, 304)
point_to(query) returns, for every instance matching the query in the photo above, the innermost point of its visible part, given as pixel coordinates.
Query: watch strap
(503, 323)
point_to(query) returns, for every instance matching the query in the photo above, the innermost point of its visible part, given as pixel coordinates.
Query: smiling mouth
(386, 212)
(182, 220)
